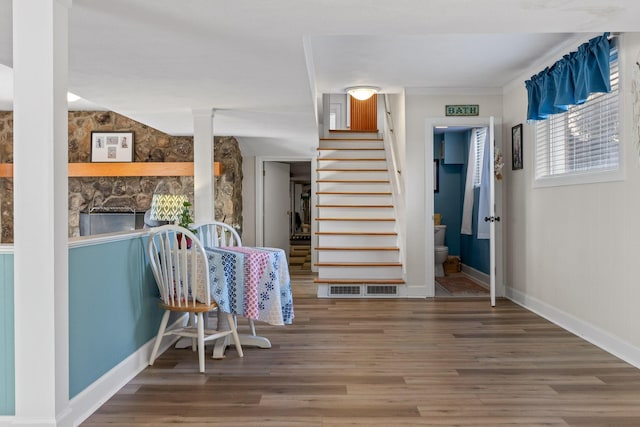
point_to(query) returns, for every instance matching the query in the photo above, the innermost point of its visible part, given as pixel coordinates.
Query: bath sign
(462, 110)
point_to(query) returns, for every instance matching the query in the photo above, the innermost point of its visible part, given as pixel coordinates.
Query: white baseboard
(101, 390)
(584, 330)
(478, 276)
(90, 399)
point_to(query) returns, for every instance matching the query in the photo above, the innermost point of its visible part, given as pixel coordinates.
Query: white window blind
(478, 137)
(583, 140)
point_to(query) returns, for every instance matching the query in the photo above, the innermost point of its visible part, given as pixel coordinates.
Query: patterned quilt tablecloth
(252, 282)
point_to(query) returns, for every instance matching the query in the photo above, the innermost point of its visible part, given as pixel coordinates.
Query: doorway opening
(300, 228)
(286, 214)
(458, 154)
(469, 250)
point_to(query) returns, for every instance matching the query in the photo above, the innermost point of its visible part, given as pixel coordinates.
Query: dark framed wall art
(516, 147)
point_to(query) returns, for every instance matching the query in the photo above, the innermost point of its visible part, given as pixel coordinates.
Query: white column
(203, 179)
(40, 65)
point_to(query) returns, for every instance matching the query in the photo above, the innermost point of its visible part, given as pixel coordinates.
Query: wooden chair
(215, 234)
(181, 273)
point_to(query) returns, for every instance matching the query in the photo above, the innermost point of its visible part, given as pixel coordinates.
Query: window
(478, 136)
(581, 145)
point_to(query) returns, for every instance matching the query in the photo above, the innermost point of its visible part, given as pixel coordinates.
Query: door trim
(431, 123)
(259, 206)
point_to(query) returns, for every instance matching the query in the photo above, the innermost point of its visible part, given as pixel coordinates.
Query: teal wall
(474, 252)
(113, 308)
(113, 311)
(7, 344)
(448, 201)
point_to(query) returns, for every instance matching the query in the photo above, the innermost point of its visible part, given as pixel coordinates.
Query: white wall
(572, 251)
(422, 105)
(398, 113)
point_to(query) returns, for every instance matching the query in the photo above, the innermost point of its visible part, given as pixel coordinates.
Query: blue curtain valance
(571, 80)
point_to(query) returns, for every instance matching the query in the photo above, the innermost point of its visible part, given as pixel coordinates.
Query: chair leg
(192, 321)
(253, 327)
(161, 329)
(234, 333)
(201, 342)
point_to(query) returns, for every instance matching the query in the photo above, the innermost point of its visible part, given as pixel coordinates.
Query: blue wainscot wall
(7, 366)
(113, 319)
(113, 309)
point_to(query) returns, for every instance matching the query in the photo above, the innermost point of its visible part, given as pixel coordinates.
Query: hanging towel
(484, 204)
(467, 204)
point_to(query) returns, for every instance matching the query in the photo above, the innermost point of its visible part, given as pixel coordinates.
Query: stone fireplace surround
(128, 193)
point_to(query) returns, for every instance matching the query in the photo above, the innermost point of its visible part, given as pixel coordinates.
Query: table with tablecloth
(251, 282)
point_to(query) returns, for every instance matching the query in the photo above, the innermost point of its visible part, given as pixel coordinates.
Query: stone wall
(128, 192)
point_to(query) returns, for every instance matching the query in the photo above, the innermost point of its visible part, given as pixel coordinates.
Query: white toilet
(441, 251)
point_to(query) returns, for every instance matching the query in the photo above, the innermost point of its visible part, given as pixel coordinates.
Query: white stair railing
(395, 175)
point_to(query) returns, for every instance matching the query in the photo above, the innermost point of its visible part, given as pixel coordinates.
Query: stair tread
(337, 139)
(355, 159)
(356, 219)
(351, 149)
(295, 252)
(358, 248)
(356, 181)
(377, 193)
(360, 281)
(356, 233)
(358, 264)
(354, 206)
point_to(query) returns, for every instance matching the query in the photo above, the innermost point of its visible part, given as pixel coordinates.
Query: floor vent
(344, 290)
(382, 290)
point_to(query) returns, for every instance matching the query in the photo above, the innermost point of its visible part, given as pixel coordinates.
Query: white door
(490, 211)
(276, 205)
(492, 214)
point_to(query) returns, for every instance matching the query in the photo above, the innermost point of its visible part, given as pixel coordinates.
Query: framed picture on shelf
(111, 146)
(516, 147)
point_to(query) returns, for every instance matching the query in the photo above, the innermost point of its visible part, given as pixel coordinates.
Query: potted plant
(185, 221)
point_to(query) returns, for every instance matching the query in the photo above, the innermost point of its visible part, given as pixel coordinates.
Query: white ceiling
(263, 65)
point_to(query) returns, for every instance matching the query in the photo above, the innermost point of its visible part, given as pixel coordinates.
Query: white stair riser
(351, 164)
(357, 226)
(345, 241)
(355, 199)
(346, 176)
(354, 135)
(351, 154)
(342, 143)
(355, 212)
(360, 272)
(353, 186)
(358, 256)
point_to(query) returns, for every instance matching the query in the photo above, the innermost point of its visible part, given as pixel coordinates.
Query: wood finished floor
(389, 363)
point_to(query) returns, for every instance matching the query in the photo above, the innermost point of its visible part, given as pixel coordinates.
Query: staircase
(300, 255)
(358, 253)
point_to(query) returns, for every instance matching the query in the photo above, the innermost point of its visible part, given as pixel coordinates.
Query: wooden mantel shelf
(123, 169)
(131, 169)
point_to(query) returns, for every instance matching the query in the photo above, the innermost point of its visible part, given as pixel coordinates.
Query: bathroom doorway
(466, 250)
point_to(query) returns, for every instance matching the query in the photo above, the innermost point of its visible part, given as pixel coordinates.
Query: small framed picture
(111, 146)
(516, 147)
